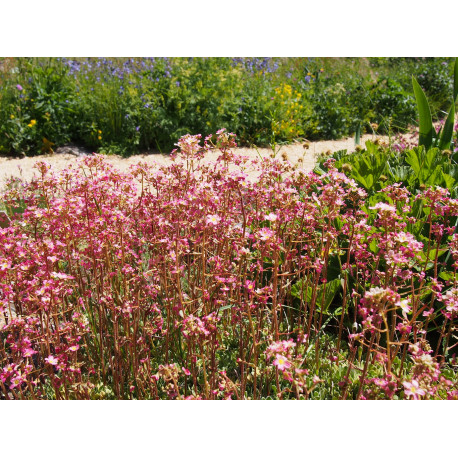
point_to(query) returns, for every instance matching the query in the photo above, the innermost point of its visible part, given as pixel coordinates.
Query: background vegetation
(124, 106)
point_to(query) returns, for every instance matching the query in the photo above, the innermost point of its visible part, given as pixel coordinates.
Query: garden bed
(218, 276)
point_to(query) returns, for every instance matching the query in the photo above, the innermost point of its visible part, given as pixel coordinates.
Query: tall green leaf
(426, 123)
(358, 135)
(455, 80)
(447, 133)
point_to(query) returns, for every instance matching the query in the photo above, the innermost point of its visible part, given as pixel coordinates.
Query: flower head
(271, 217)
(282, 363)
(213, 220)
(265, 234)
(413, 389)
(52, 360)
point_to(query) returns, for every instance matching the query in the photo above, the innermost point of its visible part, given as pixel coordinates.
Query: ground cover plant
(126, 106)
(197, 281)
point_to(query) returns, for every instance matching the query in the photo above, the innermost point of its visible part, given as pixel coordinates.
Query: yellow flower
(32, 123)
(12, 116)
(99, 131)
(99, 137)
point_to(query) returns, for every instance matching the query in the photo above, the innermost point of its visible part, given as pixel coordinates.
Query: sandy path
(23, 168)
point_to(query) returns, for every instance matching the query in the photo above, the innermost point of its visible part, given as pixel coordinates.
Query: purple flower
(137, 128)
(19, 87)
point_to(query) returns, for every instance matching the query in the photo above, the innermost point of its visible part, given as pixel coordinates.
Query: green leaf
(439, 253)
(448, 180)
(413, 158)
(447, 134)
(358, 135)
(435, 177)
(366, 167)
(426, 123)
(318, 170)
(400, 173)
(447, 275)
(328, 290)
(455, 80)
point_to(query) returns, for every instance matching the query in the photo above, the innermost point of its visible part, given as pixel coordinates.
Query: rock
(4, 219)
(76, 150)
(5, 317)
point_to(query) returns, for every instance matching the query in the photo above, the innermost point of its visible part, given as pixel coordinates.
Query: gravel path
(24, 167)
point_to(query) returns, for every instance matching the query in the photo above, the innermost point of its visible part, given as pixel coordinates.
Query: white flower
(271, 217)
(213, 220)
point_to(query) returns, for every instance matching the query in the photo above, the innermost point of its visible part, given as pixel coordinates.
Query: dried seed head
(346, 168)
(284, 156)
(447, 152)
(383, 178)
(306, 145)
(358, 148)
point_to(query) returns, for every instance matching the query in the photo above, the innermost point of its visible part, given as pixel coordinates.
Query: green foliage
(375, 167)
(426, 122)
(428, 138)
(325, 293)
(455, 80)
(126, 106)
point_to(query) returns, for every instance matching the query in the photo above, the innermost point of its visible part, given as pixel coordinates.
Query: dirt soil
(24, 168)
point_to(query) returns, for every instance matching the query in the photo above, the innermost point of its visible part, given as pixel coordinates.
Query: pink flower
(282, 363)
(265, 234)
(413, 389)
(249, 285)
(450, 299)
(28, 352)
(213, 220)
(52, 360)
(186, 371)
